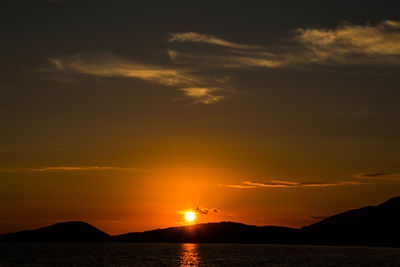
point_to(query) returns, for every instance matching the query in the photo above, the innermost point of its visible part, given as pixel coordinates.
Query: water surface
(134, 254)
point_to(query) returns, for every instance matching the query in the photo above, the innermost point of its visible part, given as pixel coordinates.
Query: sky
(127, 115)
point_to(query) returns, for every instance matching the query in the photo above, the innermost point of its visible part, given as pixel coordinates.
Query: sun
(190, 216)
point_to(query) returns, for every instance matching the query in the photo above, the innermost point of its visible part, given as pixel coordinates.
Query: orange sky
(127, 116)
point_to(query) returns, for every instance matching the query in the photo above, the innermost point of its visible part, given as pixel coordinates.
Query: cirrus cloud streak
(290, 184)
(378, 176)
(345, 44)
(208, 39)
(74, 168)
(369, 41)
(200, 89)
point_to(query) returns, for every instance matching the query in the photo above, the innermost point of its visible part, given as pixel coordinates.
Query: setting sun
(190, 216)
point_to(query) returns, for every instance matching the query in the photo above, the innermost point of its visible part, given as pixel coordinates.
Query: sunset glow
(190, 216)
(137, 117)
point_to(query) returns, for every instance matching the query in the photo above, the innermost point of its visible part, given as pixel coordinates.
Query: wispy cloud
(238, 55)
(108, 66)
(379, 176)
(369, 41)
(239, 186)
(208, 39)
(290, 184)
(203, 95)
(201, 89)
(85, 168)
(345, 44)
(232, 60)
(358, 179)
(74, 168)
(59, 64)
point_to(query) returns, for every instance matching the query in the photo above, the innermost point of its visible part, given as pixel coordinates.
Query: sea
(148, 254)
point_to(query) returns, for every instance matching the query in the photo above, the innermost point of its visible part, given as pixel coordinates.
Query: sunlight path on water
(190, 255)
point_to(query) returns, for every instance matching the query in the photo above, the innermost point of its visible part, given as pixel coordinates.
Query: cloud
(255, 61)
(109, 66)
(368, 41)
(208, 39)
(378, 175)
(57, 62)
(84, 168)
(200, 89)
(362, 179)
(290, 184)
(231, 60)
(345, 44)
(201, 210)
(204, 210)
(203, 95)
(74, 168)
(239, 186)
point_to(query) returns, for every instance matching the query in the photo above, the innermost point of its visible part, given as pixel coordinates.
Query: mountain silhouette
(222, 232)
(371, 226)
(74, 231)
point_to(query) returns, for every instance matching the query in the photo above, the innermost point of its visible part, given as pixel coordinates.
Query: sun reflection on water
(190, 255)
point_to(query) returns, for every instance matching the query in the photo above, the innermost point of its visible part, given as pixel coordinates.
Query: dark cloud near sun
(205, 211)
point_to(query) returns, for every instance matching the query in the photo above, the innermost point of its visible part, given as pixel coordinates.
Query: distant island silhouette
(367, 226)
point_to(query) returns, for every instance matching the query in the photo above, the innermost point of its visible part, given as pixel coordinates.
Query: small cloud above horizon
(203, 95)
(205, 211)
(378, 175)
(75, 168)
(290, 184)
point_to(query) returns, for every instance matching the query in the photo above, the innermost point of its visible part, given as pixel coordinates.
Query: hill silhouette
(372, 226)
(74, 231)
(222, 232)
